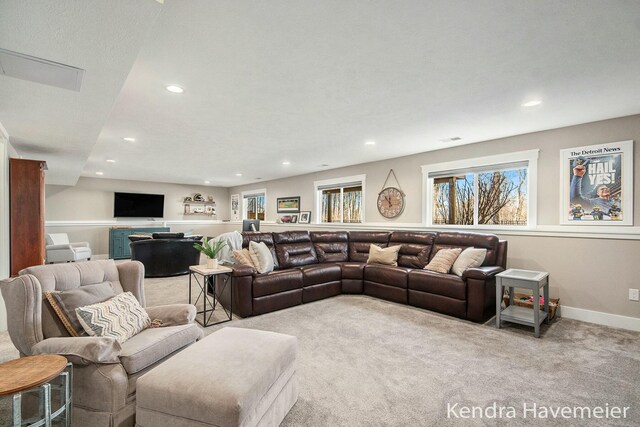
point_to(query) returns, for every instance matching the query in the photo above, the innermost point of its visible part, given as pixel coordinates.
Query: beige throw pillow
(261, 257)
(385, 256)
(243, 257)
(469, 258)
(443, 260)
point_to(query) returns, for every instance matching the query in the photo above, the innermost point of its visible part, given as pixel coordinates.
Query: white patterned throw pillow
(121, 317)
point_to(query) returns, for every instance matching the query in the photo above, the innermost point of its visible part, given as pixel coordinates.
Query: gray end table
(524, 279)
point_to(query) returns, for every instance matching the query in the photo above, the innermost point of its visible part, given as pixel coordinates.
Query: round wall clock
(390, 202)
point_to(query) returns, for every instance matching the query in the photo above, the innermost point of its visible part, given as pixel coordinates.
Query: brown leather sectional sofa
(310, 266)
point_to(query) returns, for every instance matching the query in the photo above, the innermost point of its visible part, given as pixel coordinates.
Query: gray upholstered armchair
(105, 371)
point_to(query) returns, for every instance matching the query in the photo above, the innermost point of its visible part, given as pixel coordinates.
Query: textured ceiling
(310, 81)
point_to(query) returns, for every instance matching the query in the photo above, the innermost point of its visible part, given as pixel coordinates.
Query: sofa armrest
(59, 247)
(23, 301)
(481, 273)
(131, 276)
(173, 314)
(81, 350)
(80, 245)
(243, 270)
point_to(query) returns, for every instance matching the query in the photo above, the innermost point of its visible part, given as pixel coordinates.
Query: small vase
(212, 263)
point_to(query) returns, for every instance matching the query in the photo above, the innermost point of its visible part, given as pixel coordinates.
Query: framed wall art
(597, 184)
(305, 217)
(288, 204)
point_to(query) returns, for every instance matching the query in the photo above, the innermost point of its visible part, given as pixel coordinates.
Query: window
(253, 204)
(490, 191)
(340, 200)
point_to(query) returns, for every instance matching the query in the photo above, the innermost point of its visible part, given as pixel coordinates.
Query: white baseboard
(600, 318)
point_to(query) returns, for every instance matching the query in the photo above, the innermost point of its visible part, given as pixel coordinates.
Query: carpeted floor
(368, 362)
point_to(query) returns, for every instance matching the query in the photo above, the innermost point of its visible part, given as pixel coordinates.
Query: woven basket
(553, 303)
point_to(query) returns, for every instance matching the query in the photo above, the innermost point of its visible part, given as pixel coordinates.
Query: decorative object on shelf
(597, 184)
(198, 209)
(305, 217)
(211, 249)
(198, 197)
(210, 210)
(288, 204)
(210, 199)
(294, 219)
(286, 219)
(187, 208)
(188, 199)
(391, 200)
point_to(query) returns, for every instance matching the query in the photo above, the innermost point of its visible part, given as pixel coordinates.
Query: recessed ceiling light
(370, 143)
(532, 103)
(286, 162)
(129, 139)
(174, 88)
(238, 174)
(324, 165)
(207, 182)
(258, 178)
(110, 161)
(99, 173)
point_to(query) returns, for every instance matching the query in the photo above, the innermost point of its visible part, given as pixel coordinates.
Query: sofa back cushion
(416, 247)
(294, 249)
(167, 235)
(449, 240)
(331, 246)
(360, 243)
(266, 238)
(63, 277)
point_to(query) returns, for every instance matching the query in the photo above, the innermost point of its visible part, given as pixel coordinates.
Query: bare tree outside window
(342, 204)
(502, 198)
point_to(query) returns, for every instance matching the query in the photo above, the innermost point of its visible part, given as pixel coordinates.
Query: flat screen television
(251, 225)
(136, 205)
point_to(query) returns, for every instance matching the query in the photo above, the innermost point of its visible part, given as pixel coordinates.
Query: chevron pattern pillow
(121, 317)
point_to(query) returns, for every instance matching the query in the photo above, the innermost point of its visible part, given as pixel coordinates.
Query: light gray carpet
(368, 362)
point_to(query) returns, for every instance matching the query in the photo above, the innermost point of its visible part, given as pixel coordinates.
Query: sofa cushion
(276, 281)
(448, 285)
(266, 238)
(352, 270)
(469, 258)
(384, 256)
(447, 240)
(64, 304)
(261, 257)
(387, 275)
(153, 344)
(416, 247)
(294, 249)
(331, 246)
(121, 317)
(167, 235)
(443, 260)
(320, 273)
(360, 242)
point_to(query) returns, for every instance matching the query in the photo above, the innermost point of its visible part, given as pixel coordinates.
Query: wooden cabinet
(119, 240)
(26, 213)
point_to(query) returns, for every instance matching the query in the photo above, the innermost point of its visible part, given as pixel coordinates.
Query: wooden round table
(26, 373)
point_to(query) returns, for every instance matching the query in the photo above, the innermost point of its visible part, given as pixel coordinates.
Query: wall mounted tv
(136, 205)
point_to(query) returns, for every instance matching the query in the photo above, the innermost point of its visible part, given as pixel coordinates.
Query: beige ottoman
(233, 377)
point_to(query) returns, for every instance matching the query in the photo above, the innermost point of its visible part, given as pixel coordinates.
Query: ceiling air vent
(454, 139)
(40, 70)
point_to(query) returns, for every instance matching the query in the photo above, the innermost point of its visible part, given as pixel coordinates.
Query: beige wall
(91, 200)
(588, 273)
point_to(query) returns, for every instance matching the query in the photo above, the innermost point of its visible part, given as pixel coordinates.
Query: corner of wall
(4, 218)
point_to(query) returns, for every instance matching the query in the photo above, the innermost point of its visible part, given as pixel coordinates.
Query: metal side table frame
(211, 298)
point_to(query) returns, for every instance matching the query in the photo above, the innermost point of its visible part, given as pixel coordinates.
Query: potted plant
(211, 249)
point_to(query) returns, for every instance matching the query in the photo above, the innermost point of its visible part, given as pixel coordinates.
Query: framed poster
(305, 217)
(235, 207)
(288, 204)
(597, 184)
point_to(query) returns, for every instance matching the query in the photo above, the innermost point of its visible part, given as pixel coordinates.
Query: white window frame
(529, 156)
(337, 182)
(243, 213)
